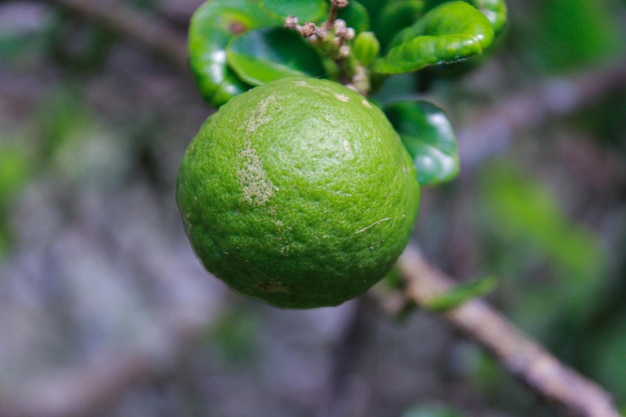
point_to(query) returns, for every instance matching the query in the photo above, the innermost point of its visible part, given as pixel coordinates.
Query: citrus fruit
(298, 193)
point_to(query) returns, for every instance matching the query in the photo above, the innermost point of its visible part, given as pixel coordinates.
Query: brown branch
(347, 357)
(525, 110)
(518, 354)
(78, 392)
(133, 25)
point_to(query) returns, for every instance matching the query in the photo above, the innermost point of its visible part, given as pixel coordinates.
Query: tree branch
(519, 355)
(133, 25)
(348, 356)
(556, 97)
(83, 390)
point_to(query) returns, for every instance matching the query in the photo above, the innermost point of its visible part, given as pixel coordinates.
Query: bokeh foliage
(534, 218)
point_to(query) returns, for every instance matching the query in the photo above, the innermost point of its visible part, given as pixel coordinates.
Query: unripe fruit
(299, 193)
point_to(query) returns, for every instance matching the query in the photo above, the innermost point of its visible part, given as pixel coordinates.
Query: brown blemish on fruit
(372, 225)
(257, 188)
(319, 89)
(366, 103)
(274, 286)
(259, 118)
(341, 97)
(283, 237)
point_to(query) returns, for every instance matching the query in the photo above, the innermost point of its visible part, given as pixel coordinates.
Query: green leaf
(462, 293)
(265, 55)
(212, 27)
(449, 33)
(494, 10)
(304, 10)
(429, 137)
(356, 16)
(395, 16)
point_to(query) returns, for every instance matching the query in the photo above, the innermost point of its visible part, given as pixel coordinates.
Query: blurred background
(105, 311)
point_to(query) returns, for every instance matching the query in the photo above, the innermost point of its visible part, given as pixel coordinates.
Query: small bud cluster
(338, 30)
(337, 40)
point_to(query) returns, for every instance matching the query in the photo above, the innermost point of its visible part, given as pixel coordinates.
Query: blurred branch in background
(91, 388)
(87, 389)
(349, 355)
(133, 25)
(520, 356)
(492, 132)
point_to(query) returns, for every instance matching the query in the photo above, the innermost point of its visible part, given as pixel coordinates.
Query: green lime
(299, 193)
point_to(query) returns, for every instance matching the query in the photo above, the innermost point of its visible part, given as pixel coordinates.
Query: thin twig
(348, 355)
(519, 355)
(133, 25)
(492, 132)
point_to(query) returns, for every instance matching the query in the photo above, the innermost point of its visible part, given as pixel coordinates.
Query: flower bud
(308, 29)
(366, 48)
(291, 22)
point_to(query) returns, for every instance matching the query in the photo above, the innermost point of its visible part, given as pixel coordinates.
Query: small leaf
(429, 137)
(265, 55)
(462, 293)
(449, 33)
(356, 16)
(212, 27)
(304, 10)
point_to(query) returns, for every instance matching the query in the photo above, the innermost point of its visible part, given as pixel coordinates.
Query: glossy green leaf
(494, 10)
(395, 16)
(265, 55)
(304, 10)
(356, 16)
(448, 33)
(213, 26)
(462, 293)
(429, 137)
